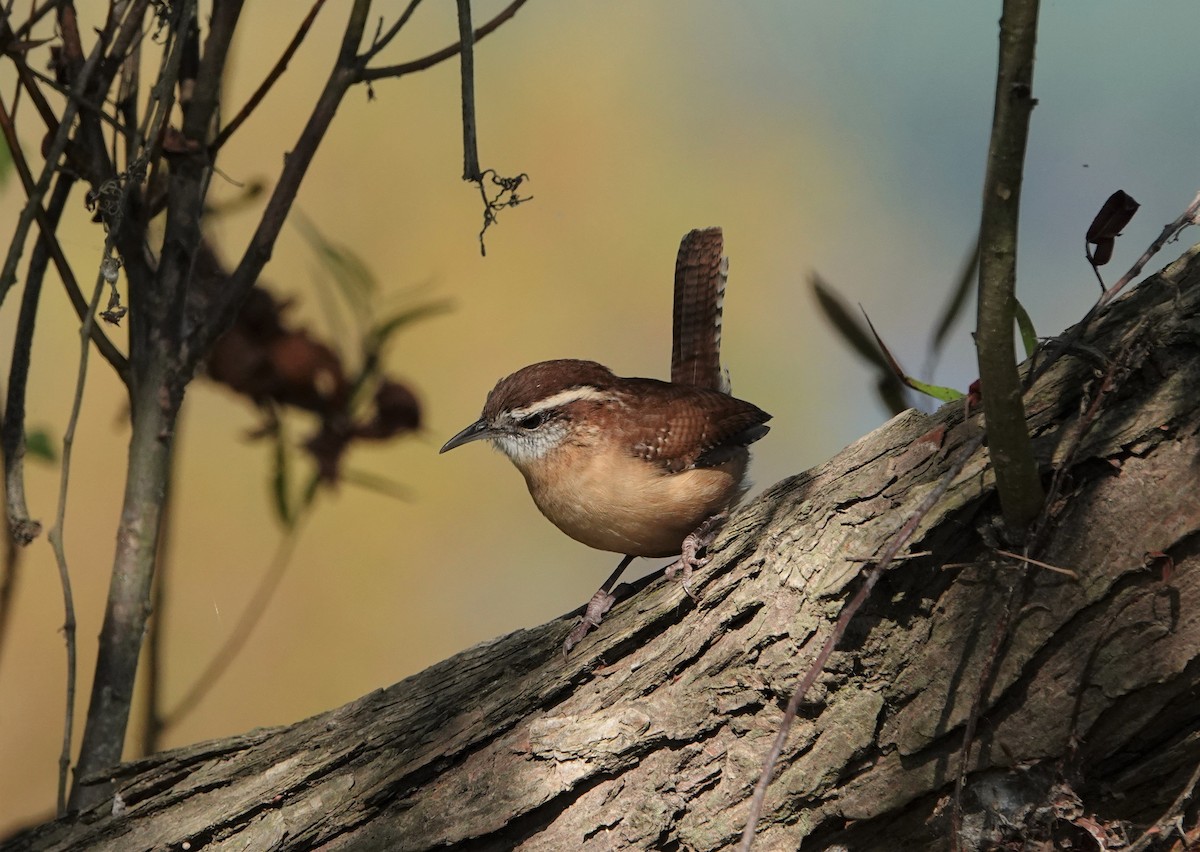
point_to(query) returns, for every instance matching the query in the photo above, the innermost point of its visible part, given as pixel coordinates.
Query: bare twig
(270, 80)
(1009, 444)
(30, 75)
(871, 576)
(47, 229)
(28, 79)
(382, 40)
(21, 527)
(10, 575)
(127, 104)
(1074, 575)
(258, 252)
(369, 74)
(207, 92)
(466, 38)
(60, 554)
(349, 69)
(28, 24)
(33, 203)
(1187, 217)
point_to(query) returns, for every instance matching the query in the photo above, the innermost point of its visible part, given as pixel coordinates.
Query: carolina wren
(635, 466)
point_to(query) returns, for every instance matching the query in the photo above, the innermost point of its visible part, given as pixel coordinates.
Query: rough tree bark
(652, 734)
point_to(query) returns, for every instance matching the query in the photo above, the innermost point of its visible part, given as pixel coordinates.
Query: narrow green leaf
(389, 326)
(352, 275)
(310, 492)
(6, 164)
(280, 479)
(1025, 325)
(936, 391)
(39, 446)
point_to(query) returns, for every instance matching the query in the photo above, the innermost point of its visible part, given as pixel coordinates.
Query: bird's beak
(475, 432)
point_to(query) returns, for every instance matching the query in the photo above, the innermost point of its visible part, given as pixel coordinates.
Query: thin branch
(295, 166)
(1074, 575)
(261, 92)
(47, 230)
(382, 41)
(10, 575)
(1009, 444)
(33, 203)
(84, 108)
(348, 70)
(470, 144)
(369, 74)
(1187, 217)
(28, 79)
(29, 23)
(352, 35)
(207, 92)
(127, 103)
(870, 578)
(91, 156)
(60, 554)
(21, 527)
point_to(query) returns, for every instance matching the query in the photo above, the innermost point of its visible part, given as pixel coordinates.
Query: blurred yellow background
(844, 138)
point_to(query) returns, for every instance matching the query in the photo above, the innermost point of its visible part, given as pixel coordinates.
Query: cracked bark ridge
(652, 734)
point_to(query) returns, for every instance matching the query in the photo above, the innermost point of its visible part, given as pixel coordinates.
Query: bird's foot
(600, 603)
(689, 559)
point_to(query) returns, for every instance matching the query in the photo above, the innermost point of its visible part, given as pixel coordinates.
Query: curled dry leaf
(1114, 215)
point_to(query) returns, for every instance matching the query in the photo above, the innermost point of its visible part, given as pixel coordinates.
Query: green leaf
(311, 490)
(280, 479)
(1028, 335)
(386, 328)
(39, 446)
(936, 391)
(355, 280)
(6, 163)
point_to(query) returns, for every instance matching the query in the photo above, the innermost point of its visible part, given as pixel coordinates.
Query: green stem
(1009, 444)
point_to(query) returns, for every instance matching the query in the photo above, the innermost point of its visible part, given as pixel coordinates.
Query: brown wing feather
(700, 274)
(686, 427)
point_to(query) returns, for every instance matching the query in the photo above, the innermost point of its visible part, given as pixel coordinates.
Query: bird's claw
(600, 603)
(689, 559)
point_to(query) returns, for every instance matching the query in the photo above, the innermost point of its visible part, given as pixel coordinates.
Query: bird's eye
(532, 421)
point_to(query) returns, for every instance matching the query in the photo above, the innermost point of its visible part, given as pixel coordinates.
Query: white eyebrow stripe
(558, 400)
